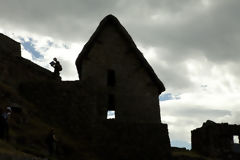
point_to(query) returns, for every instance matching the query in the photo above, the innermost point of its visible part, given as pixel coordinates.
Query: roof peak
(110, 19)
(110, 16)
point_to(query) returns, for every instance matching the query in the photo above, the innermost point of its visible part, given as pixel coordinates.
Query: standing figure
(4, 132)
(51, 142)
(57, 67)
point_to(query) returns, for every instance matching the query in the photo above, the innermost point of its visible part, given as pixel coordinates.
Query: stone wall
(124, 141)
(14, 69)
(69, 105)
(73, 106)
(216, 139)
(9, 47)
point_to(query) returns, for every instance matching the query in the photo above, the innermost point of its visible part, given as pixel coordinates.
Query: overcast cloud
(193, 46)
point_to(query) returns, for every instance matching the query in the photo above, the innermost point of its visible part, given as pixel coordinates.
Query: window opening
(110, 114)
(236, 139)
(111, 107)
(111, 79)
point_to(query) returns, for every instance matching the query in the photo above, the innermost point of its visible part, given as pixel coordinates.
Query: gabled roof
(110, 19)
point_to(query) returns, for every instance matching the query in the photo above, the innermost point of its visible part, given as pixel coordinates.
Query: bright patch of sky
(168, 96)
(181, 144)
(28, 45)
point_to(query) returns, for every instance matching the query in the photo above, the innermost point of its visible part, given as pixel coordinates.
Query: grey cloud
(215, 32)
(236, 117)
(174, 76)
(197, 111)
(66, 18)
(62, 19)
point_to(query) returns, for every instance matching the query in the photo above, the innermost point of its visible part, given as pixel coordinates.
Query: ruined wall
(68, 104)
(14, 69)
(9, 47)
(216, 140)
(136, 95)
(72, 106)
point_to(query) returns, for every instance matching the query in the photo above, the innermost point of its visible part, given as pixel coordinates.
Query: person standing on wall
(57, 67)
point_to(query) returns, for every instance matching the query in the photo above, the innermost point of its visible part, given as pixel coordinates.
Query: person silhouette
(4, 131)
(51, 141)
(57, 67)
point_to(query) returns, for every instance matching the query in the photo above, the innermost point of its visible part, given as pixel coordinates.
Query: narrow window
(236, 139)
(111, 79)
(111, 107)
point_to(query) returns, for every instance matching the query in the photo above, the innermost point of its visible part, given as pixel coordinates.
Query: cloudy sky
(193, 46)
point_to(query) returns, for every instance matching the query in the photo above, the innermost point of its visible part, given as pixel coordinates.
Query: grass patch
(189, 154)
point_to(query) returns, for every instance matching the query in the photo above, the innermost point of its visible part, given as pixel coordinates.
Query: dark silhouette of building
(111, 62)
(9, 47)
(115, 79)
(217, 140)
(127, 85)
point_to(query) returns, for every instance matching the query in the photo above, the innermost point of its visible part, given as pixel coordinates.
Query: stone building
(217, 140)
(126, 84)
(115, 79)
(112, 63)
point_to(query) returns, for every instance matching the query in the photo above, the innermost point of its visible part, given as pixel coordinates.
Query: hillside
(29, 128)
